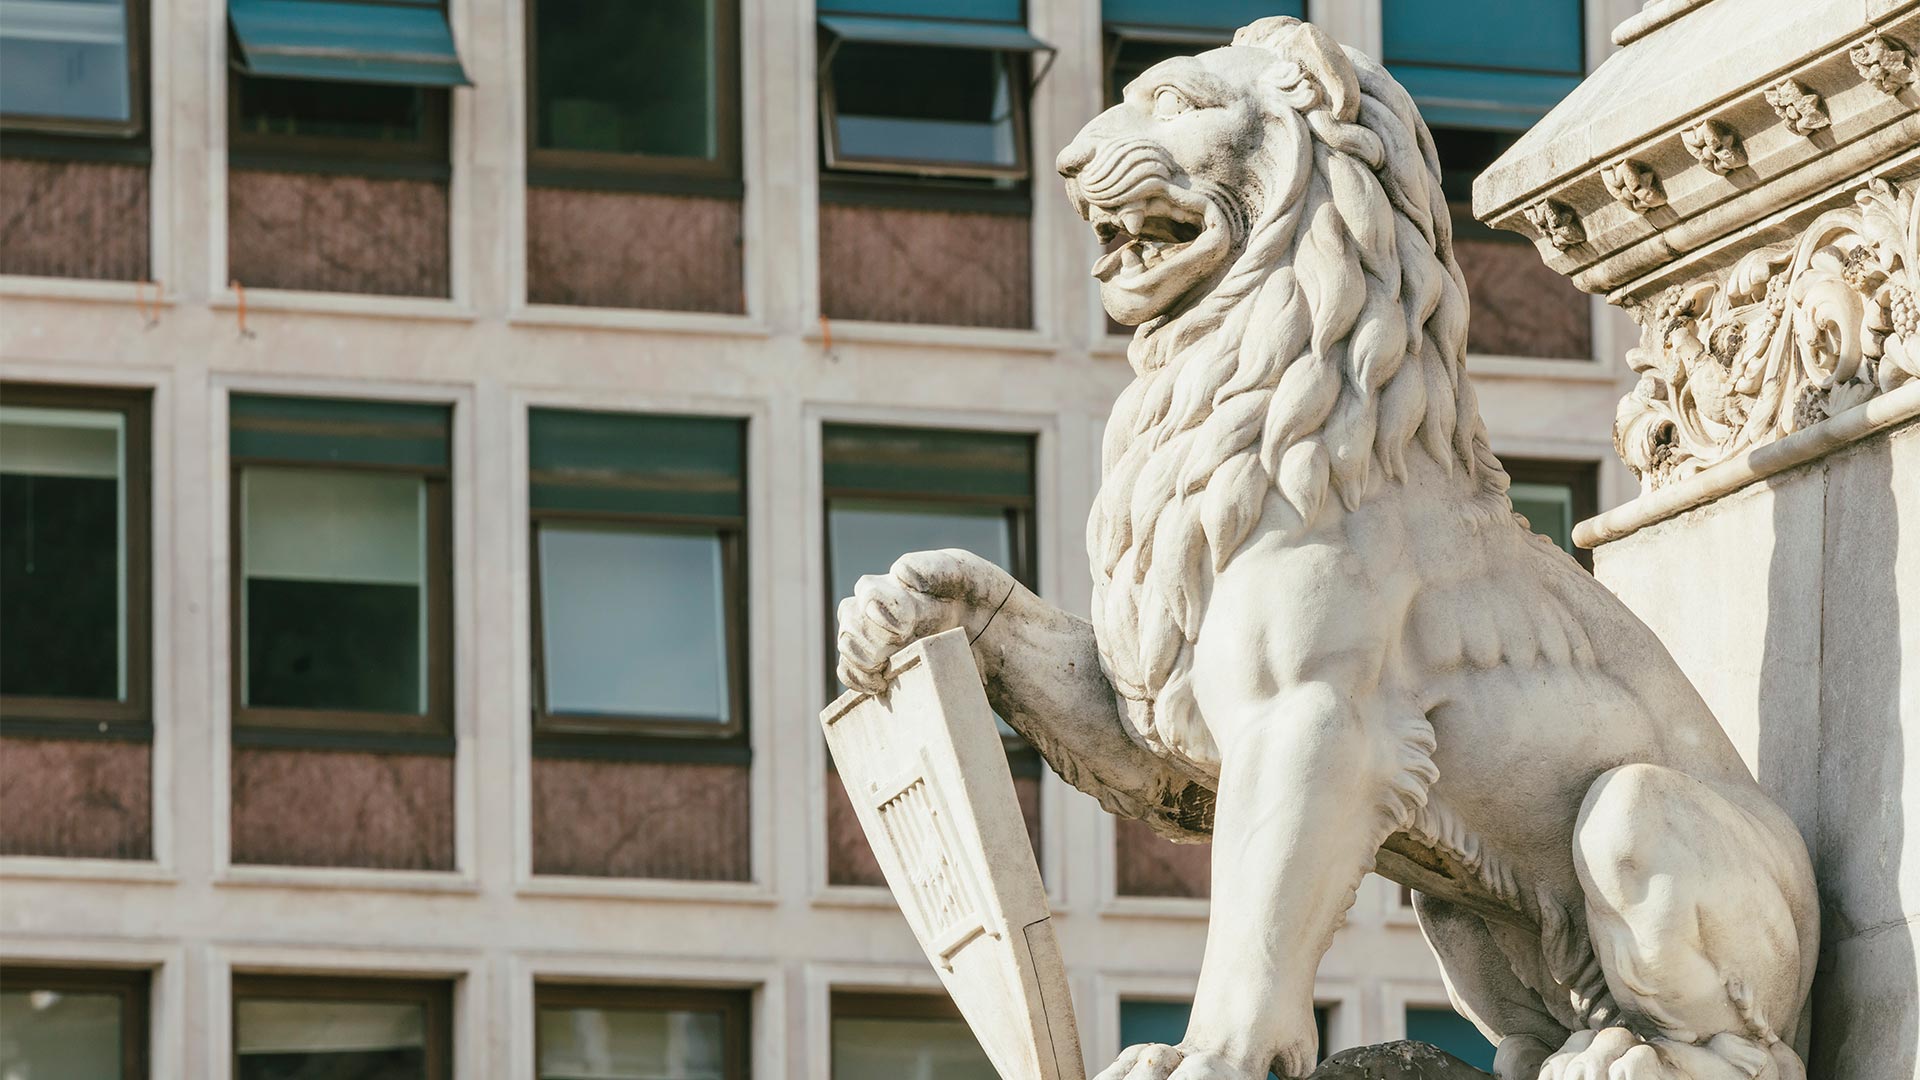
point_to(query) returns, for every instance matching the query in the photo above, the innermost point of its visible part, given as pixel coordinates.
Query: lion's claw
(1158, 1061)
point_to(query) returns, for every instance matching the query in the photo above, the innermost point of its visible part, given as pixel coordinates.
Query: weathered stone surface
(1403, 1060)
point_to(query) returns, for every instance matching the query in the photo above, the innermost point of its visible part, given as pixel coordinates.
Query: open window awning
(944, 33)
(404, 43)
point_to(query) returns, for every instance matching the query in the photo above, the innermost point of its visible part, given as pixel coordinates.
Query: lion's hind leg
(1701, 913)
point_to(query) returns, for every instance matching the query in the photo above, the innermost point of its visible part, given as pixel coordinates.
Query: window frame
(1117, 36)
(133, 127)
(133, 986)
(649, 737)
(435, 996)
(1019, 75)
(131, 719)
(1580, 476)
(735, 1007)
(429, 157)
(349, 728)
(603, 170)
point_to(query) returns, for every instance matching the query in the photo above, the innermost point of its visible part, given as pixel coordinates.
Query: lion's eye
(1169, 102)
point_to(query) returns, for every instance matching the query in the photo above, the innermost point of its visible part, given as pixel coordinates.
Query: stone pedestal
(1741, 177)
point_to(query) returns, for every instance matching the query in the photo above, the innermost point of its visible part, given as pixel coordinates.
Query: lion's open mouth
(1154, 233)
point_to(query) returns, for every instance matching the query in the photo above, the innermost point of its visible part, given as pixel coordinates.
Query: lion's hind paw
(1619, 1054)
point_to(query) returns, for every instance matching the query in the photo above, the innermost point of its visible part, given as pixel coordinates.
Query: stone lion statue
(1322, 638)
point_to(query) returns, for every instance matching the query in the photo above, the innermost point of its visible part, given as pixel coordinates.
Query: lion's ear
(1317, 54)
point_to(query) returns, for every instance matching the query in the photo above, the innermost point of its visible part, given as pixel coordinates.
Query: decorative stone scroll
(1715, 146)
(1633, 186)
(1883, 62)
(1791, 335)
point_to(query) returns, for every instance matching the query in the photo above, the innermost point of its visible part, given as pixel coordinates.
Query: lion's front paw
(1158, 1061)
(924, 593)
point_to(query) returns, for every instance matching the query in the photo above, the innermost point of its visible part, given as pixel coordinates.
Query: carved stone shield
(928, 778)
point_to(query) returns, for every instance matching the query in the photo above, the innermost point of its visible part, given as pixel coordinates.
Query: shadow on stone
(1404, 1060)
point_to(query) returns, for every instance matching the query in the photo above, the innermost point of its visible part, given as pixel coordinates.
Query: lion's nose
(1074, 157)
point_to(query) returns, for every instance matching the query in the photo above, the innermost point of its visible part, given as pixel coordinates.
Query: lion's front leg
(1303, 807)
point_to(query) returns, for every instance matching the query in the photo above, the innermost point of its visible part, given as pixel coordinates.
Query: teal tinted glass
(921, 462)
(65, 60)
(1451, 1032)
(685, 466)
(951, 106)
(59, 1033)
(1548, 509)
(1225, 15)
(979, 10)
(338, 431)
(594, 92)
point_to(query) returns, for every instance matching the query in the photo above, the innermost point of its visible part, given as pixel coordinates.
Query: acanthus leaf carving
(1801, 108)
(1715, 146)
(1791, 335)
(1560, 225)
(1884, 62)
(1634, 186)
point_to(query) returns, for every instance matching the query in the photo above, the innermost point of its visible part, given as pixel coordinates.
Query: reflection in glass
(634, 622)
(334, 597)
(65, 60)
(63, 553)
(595, 92)
(1548, 509)
(57, 1035)
(330, 1040)
(918, 103)
(874, 1049)
(578, 1043)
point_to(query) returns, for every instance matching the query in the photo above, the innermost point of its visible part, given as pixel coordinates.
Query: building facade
(433, 439)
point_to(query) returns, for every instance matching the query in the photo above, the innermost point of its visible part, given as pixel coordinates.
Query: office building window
(1554, 496)
(1151, 1021)
(638, 525)
(325, 1027)
(925, 88)
(1448, 1030)
(889, 1036)
(71, 67)
(74, 557)
(599, 110)
(341, 565)
(340, 80)
(80, 1024)
(1142, 33)
(656, 1033)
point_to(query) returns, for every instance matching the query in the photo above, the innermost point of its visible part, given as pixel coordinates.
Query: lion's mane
(1332, 345)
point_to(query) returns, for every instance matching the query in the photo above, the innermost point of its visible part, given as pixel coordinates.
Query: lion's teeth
(1130, 257)
(1133, 220)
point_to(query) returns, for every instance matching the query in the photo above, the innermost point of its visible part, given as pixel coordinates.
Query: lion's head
(1288, 260)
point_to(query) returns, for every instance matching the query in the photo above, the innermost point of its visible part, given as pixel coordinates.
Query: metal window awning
(406, 43)
(1199, 37)
(945, 33)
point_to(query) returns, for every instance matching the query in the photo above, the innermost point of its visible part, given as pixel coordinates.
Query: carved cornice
(1791, 335)
(1696, 191)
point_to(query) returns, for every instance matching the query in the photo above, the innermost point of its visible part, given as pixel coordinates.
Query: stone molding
(1880, 414)
(1754, 162)
(1792, 335)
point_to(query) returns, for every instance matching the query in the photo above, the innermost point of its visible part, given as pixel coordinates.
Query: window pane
(918, 103)
(1548, 509)
(64, 59)
(635, 622)
(57, 1035)
(63, 558)
(339, 110)
(595, 93)
(916, 1049)
(334, 590)
(1451, 1032)
(866, 536)
(1166, 1022)
(631, 1044)
(330, 1040)
(1133, 57)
